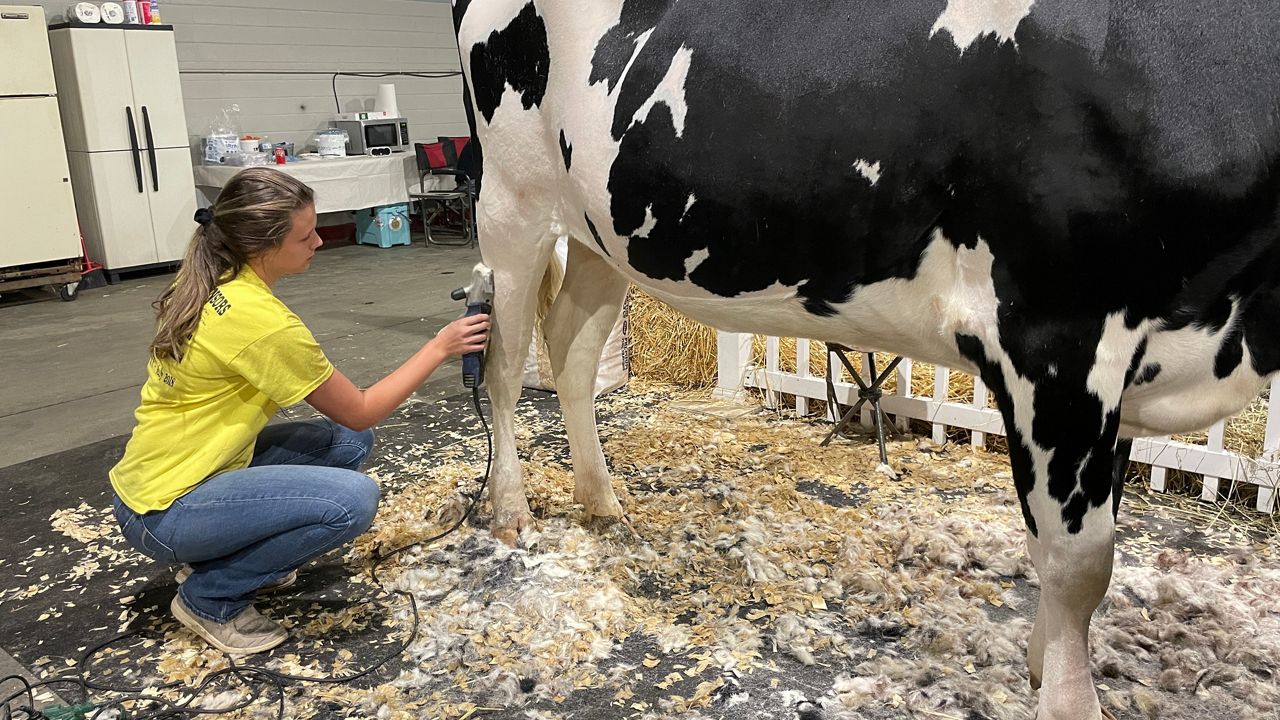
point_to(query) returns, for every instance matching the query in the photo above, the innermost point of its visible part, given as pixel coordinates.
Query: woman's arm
(344, 403)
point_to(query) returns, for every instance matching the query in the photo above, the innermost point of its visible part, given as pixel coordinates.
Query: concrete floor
(72, 371)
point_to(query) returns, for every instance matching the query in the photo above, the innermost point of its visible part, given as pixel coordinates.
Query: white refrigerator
(126, 141)
(37, 214)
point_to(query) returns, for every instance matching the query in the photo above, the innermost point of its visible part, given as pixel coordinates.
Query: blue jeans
(239, 530)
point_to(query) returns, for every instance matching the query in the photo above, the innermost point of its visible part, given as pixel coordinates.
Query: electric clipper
(479, 297)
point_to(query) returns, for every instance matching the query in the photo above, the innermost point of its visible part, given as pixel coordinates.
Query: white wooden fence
(1213, 461)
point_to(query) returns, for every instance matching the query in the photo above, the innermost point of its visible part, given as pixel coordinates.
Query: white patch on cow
(687, 204)
(670, 91)
(641, 40)
(695, 259)
(968, 20)
(972, 304)
(870, 171)
(1186, 396)
(647, 226)
(1113, 359)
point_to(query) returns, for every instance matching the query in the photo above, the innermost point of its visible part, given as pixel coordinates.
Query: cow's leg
(580, 321)
(1061, 410)
(1035, 646)
(516, 244)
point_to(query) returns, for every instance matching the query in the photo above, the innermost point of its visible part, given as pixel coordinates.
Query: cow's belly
(951, 293)
(1185, 396)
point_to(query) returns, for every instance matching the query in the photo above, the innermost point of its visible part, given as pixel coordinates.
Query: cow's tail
(473, 164)
(552, 280)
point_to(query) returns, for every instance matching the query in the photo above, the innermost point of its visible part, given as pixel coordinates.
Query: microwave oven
(362, 135)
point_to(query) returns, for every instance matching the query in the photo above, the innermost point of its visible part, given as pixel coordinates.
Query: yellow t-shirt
(249, 357)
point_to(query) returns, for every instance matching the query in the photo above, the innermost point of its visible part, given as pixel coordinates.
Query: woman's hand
(343, 402)
(464, 335)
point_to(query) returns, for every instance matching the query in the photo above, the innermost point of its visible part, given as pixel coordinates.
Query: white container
(248, 146)
(112, 13)
(218, 146)
(331, 143)
(386, 101)
(85, 12)
(131, 11)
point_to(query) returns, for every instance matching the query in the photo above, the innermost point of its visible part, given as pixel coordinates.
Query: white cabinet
(173, 204)
(105, 181)
(37, 215)
(93, 83)
(157, 93)
(37, 219)
(126, 141)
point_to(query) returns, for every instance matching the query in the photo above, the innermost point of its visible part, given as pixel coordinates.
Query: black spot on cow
(1124, 448)
(815, 305)
(1019, 454)
(1230, 354)
(1261, 324)
(1148, 374)
(517, 56)
(459, 10)
(566, 150)
(619, 43)
(1136, 363)
(595, 235)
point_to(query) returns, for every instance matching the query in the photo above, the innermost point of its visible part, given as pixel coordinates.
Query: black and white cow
(1075, 199)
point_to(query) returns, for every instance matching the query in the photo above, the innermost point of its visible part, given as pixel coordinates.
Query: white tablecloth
(346, 183)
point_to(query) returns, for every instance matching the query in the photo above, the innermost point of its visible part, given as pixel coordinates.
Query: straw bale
(669, 347)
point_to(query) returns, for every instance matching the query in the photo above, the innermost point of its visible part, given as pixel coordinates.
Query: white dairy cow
(1076, 200)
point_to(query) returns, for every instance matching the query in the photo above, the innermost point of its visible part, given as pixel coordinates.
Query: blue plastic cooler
(383, 226)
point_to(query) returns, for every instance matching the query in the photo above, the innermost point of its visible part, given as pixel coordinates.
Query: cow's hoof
(507, 535)
(616, 527)
(509, 531)
(1035, 681)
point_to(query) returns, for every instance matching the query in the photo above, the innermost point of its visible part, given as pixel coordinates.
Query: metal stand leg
(867, 392)
(443, 207)
(470, 209)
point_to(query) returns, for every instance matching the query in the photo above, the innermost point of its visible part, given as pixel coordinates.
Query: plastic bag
(223, 135)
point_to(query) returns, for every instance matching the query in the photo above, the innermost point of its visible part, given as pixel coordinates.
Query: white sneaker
(245, 634)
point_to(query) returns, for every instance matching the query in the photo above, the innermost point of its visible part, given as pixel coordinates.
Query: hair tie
(204, 216)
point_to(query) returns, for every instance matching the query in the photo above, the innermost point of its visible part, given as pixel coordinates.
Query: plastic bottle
(155, 12)
(131, 12)
(144, 11)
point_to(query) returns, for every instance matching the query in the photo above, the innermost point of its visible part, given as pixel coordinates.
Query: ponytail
(252, 215)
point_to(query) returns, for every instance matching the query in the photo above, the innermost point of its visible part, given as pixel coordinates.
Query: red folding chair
(456, 205)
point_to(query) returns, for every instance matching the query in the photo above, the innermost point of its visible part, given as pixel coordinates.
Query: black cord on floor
(245, 674)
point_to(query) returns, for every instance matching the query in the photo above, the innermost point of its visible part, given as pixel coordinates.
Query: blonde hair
(252, 215)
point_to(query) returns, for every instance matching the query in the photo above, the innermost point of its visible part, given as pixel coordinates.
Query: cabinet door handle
(151, 149)
(133, 144)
